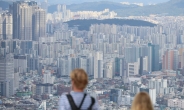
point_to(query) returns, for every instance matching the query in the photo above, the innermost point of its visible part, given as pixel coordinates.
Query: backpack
(73, 105)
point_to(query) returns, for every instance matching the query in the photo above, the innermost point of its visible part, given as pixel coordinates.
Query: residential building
(7, 75)
(170, 60)
(98, 65)
(6, 26)
(39, 24)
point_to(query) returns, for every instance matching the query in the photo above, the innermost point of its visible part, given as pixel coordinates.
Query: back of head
(79, 78)
(142, 101)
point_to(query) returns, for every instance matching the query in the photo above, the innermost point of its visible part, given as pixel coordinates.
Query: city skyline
(122, 55)
(146, 2)
(74, 1)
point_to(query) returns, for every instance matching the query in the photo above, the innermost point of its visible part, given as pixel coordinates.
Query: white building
(151, 92)
(159, 84)
(42, 106)
(65, 66)
(98, 65)
(124, 100)
(47, 77)
(145, 63)
(108, 70)
(44, 89)
(16, 80)
(133, 68)
(176, 103)
(20, 64)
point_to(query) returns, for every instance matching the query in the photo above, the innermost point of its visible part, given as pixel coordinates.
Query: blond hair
(79, 78)
(142, 101)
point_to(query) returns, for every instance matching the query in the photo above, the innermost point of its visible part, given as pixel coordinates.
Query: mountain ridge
(118, 1)
(93, 6)
(172, 7)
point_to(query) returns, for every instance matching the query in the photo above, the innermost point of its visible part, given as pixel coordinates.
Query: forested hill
(85, 24)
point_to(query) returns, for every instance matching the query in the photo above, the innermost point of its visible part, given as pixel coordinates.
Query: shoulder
(63, 99)
(95, 103)
(63, 102)
(91, 101)
(90, 98)
(63, 96)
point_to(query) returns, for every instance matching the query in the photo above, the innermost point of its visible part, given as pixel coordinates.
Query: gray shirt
(77, 97)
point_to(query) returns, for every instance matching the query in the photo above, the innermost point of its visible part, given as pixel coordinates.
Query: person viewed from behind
(77, 99)
(142, 101)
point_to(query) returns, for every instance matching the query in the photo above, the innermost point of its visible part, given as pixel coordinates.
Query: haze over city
(124, 46)
(81, 1)
(130, 1)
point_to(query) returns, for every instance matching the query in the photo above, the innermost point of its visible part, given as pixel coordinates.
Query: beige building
(108, 70)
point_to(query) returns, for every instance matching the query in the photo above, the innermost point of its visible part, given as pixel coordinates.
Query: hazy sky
(80, 1)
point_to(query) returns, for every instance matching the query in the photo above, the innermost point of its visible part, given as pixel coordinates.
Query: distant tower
(98, 65)
(120, 67)
(44, 5)
(108, 70)
(59, 8)
(22, 20)
(25, 22)
(170, 60)
(141, 66)
(6, 26)
(154, 57)
(28, 20)
(64, 8)
(7, 75)
(39, 24)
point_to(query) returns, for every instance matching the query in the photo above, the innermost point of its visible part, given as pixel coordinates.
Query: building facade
(7, 75)
(6, 26)
(39, 24)
(170, 60)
